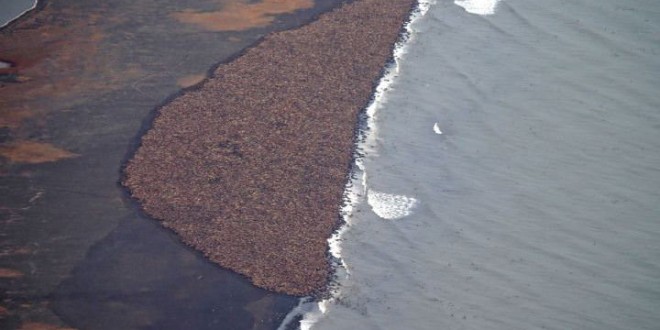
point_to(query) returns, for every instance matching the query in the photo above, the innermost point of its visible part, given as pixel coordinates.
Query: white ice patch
(478, 7)
(389, 206)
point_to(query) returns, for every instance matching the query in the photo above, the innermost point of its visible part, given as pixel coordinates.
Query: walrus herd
(250, 166)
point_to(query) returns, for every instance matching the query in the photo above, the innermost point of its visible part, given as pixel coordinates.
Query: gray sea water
(12, 9)
(538, 207)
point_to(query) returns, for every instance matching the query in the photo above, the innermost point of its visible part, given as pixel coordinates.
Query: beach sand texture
(250, 166)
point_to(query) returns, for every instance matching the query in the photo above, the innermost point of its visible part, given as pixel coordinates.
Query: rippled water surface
(539, 204)
(14, 8)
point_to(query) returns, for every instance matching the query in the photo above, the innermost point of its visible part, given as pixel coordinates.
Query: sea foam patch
(478, 7)
(390, 206)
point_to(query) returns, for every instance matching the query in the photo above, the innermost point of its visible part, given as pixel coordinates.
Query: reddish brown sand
(250, 167)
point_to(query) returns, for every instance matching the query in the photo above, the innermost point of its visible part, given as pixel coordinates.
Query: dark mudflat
(250, 167)
(74, 250)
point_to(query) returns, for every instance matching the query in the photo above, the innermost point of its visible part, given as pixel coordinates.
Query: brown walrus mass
(250, 167)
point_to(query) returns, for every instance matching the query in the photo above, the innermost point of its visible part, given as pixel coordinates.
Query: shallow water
(539, 204)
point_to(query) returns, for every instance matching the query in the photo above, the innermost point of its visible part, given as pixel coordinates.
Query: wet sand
(75, 251)
(250, 167)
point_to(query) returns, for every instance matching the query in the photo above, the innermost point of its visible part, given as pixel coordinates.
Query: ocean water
(12, 9)
(511, 176)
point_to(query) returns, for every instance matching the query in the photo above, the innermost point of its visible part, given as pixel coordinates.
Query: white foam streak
(478, 7)
(356, 188)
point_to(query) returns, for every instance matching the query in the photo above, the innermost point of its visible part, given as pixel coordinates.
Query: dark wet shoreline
(6, 20)
(65, 125)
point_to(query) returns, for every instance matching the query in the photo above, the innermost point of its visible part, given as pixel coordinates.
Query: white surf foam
(478, 7)
(390, 206)
(356, 188)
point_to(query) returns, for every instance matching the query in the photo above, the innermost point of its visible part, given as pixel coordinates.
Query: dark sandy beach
(77, 251)
(250, 168)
